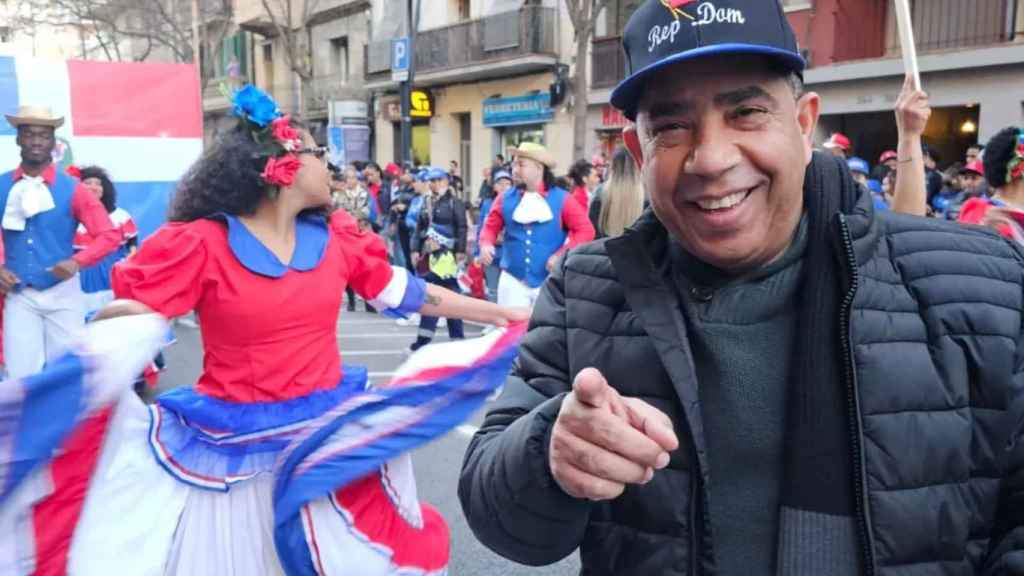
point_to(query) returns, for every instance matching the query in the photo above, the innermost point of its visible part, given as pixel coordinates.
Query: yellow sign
(420, 104)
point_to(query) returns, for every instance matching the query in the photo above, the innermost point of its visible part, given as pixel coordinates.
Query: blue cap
(437, 174)
(422, 175)
(501, 174)
(663, 32)
(856, 164)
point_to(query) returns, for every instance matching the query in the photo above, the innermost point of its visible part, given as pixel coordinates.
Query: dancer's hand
(486, 254)
(65, 269)
(121, 308)
(517, 315)
(8, 280)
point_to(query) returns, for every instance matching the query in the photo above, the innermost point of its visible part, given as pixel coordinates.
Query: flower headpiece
(1015, 169)
(73, 171)
(273, 132)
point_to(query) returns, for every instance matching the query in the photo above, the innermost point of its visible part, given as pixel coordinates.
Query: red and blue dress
(96, 278)
(279, 460)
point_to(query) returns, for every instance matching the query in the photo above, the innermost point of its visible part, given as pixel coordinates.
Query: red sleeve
(973, 211)
(369, 271)
(129, 230)
(88, 210)
(494, 223)
(166, 273)
(576, 221)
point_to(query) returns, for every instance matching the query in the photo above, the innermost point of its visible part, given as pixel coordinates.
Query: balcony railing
(607, 62)
(526, 31)
(946, 24)
(866, 29)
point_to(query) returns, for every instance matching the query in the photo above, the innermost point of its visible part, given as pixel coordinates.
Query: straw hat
(34, 116)
(535, 152)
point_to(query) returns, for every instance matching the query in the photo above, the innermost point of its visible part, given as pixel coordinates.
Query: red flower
(284, 133)
(281, 170)
(73, 171)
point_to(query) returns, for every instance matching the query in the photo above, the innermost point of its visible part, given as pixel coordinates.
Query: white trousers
(39, 325)
(513, 292)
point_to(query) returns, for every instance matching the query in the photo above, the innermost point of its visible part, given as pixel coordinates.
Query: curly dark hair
(225, 179)
(580, 170)
(998, 153)
(109, 198)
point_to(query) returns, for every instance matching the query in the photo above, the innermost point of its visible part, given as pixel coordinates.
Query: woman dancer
(261, 468)
(1004, 172)
(96, 279)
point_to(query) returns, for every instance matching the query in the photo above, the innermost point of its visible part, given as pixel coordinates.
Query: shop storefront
(609, 132)
(518, 119)
(347, 132)
(421, 110)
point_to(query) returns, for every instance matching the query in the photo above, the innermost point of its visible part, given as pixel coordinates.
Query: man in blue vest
(539, 225)
(41, 209)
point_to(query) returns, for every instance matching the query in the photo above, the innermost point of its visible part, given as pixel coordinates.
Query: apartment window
(463, 9)
(268, 66)
(5, 34)
(339, 58)
(613, 20)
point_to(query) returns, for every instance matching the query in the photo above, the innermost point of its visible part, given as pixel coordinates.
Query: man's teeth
(721, 203)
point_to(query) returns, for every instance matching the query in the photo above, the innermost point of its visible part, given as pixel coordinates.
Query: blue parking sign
(399, 54)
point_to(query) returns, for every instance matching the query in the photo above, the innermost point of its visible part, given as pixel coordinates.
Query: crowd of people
(745, 354)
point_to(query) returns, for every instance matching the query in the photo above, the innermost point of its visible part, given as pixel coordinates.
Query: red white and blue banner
(142, 122)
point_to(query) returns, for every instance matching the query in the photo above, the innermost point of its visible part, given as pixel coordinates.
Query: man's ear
(632, 141)
(808, 109)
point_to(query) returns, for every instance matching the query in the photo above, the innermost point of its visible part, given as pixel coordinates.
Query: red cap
(887, 155)
(838, 141)
(393, 169)
(975, 166)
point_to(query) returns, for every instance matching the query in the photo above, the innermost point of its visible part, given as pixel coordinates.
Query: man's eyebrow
(741, 95)
(668, 108)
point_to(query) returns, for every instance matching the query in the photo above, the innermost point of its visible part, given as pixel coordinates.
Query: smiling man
(762, 376)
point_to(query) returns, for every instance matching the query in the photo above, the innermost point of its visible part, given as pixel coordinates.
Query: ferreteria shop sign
(529, 109)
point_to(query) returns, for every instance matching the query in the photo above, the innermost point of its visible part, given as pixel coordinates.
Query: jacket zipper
(694, 549)
(850, 380)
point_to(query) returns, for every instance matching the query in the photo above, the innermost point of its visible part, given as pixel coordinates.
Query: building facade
(328, 40)
(484, 71)
(971, 56)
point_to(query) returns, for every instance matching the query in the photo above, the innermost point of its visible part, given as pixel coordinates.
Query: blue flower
(255, 105)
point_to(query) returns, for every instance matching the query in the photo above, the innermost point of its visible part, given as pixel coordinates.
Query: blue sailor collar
(311, 236)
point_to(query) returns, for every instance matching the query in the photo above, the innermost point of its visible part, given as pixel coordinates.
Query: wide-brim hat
(663, 32)
(34, 116)
(537, 153)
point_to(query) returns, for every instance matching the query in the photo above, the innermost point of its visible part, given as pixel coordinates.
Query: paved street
(379, 344)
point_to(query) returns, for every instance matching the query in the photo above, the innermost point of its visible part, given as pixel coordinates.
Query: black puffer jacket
(935, 334)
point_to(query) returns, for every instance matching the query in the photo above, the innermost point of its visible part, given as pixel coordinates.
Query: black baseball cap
(663, 32)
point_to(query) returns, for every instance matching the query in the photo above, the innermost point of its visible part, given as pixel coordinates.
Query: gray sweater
(742, 334)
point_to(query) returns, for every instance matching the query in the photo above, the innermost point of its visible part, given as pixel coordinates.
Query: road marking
(380, 374)
(466, 430)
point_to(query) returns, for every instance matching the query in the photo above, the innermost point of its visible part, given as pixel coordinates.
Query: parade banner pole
(906, 30)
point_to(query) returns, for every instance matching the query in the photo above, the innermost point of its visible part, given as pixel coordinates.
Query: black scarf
(819, 462)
